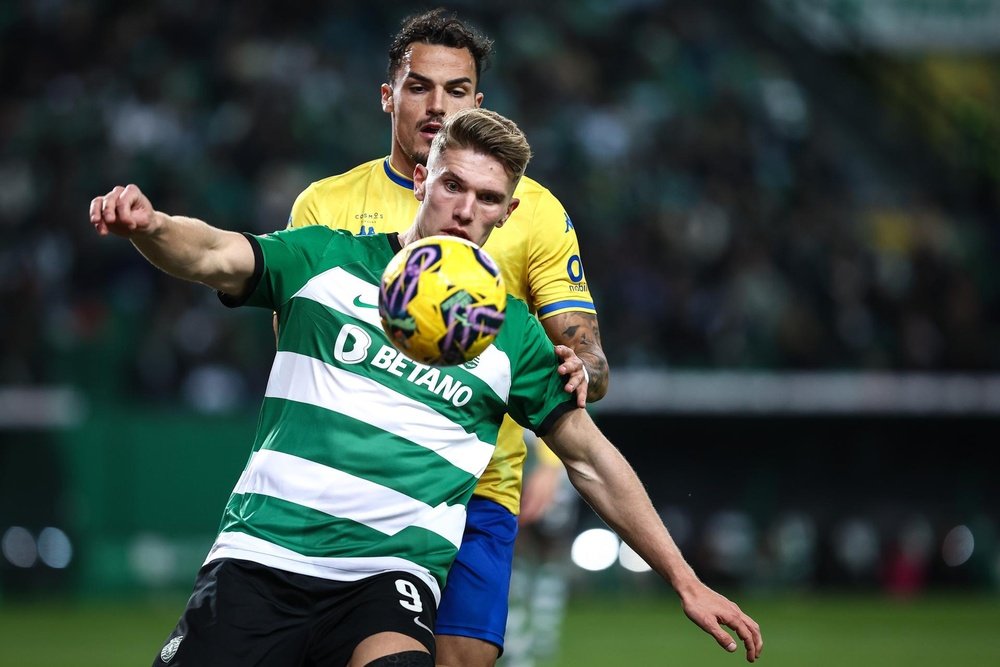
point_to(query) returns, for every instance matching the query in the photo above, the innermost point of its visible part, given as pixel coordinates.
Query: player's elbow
(596, 392)
(599, 378)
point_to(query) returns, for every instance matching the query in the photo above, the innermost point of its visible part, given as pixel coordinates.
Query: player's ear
(479, 100)
(510, 209)
(386, 91)
(419, 181)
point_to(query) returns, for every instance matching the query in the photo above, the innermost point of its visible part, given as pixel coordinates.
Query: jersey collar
(396, 177)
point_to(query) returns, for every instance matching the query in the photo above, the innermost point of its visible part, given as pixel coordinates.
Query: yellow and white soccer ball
(442, 300)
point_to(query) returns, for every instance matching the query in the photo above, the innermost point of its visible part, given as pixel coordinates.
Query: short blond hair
(486, 132)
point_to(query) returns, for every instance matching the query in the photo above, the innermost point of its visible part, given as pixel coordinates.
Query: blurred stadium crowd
(732, 212)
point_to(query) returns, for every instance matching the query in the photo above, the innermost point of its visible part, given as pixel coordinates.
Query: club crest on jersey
(170, 648)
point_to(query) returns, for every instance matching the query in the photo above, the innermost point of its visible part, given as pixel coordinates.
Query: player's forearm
(580, 331)
(190, 249)
(609, 484)
(614, 491)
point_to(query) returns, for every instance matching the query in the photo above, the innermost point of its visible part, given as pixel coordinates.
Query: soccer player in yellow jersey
(434, 65)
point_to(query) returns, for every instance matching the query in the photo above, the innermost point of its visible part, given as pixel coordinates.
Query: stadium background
(789, 217)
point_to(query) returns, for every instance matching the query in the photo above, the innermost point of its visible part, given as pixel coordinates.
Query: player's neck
(409, 236)
(400, 163)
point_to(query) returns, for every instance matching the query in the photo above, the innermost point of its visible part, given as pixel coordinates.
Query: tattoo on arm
(580, 331)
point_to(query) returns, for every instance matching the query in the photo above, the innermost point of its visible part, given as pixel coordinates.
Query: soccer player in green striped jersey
(339, 533)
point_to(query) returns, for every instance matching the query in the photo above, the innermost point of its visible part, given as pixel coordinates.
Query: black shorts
(242, 614)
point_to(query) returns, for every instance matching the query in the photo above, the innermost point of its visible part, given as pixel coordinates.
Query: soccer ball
(442, 300)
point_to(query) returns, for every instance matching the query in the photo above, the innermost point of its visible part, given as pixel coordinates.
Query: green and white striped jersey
(364, 460)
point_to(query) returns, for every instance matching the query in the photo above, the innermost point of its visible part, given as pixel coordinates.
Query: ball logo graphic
(442, 300)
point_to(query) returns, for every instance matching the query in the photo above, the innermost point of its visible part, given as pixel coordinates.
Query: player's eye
(452, 186)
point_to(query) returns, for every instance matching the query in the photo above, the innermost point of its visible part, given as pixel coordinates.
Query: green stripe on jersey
(355, 447)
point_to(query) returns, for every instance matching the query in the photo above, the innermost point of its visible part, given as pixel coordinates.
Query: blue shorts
(474, 600)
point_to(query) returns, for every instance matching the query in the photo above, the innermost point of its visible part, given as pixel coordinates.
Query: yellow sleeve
(305, 210)
(556, 280)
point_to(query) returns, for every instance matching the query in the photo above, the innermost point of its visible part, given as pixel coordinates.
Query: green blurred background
(788, 212)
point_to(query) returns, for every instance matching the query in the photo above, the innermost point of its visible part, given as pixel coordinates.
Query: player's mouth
(456, 231)
(428, 130)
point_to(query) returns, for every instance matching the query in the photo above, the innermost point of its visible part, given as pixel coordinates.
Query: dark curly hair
(440, 28)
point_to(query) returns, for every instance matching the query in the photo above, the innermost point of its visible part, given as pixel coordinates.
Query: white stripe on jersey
(494, 369)
(301, 378)
(338, 289)
(340, 494)
(247, 547)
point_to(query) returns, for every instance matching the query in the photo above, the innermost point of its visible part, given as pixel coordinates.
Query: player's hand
(710, 611)
(571, 366)
(123, 211)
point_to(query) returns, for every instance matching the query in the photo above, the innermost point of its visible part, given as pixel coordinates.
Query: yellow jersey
(536, 249)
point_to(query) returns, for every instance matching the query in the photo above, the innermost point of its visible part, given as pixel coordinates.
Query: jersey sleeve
(289, 258)
(556, 280)
(306, 209)
(537, 398)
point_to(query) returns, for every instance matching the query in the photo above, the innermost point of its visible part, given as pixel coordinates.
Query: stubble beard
(420, 157)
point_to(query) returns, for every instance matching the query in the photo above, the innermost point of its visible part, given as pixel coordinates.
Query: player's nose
(465, 208)
(435, 102)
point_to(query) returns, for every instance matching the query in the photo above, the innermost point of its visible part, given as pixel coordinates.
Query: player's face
(432, 83)
(462, 193)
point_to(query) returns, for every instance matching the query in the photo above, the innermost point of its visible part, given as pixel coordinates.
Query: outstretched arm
(606, 480)
(183, 247)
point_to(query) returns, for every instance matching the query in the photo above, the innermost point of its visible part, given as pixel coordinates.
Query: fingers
(109, 205)
(117, 210)
(104, 210)
(123, 206)
(757, 645)
(712, 614)
(749, 633)
(722, 637)
(572, 367)
(96, 215)
(581, 394)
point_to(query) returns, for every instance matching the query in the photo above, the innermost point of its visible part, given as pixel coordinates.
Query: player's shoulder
(310, 233)
(538, 205)
(520, 330)
(528, 189)
(331, 242)
(343, 181)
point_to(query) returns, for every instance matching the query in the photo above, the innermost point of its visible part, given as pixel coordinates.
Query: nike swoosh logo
(361, 304)
(416, 619)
